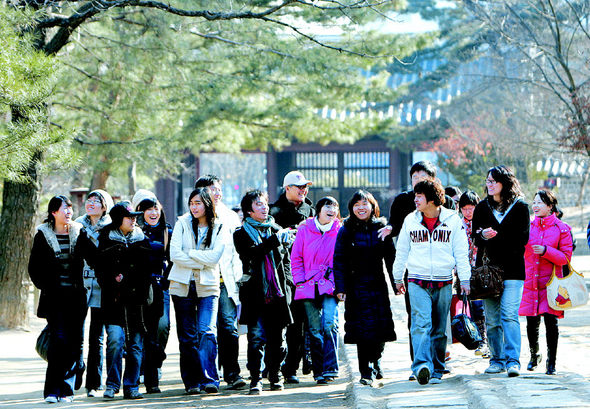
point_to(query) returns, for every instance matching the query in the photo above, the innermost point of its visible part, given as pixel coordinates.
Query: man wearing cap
(230, 267)
(292, 208)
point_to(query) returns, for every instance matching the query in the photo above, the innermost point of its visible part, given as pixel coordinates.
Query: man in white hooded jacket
(431, 245)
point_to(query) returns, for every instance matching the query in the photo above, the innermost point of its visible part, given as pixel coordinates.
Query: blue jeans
(95, 347)
(228, 337)
(503, 326)
(430, 310)
(266, 339)
(154, 352)
(133, 352)
(164, 323)
(322, 321)
(197, 336)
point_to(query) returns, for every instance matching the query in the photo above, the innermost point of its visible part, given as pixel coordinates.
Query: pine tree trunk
(20, 203)
(99, 180)
(131, 172)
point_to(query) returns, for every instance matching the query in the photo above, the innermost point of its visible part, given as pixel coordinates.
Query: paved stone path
(22, 373)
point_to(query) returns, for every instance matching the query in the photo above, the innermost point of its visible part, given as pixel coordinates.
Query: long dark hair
(510, 186)
(53, 206)
(549, 198)
(356, 197)
(148, 204)
(207, 200)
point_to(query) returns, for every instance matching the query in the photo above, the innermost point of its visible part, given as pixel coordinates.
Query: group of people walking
(282, 271)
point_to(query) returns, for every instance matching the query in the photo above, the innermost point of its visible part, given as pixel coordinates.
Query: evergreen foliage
(27, 81)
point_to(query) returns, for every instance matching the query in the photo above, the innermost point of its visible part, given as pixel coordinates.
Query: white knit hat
(108, 200)
(140, 196)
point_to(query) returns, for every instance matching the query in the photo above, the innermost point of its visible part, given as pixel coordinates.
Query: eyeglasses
(490, 182)
(94, 202)
(301, 187)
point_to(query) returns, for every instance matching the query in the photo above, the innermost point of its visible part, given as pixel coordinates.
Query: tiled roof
(426, 105)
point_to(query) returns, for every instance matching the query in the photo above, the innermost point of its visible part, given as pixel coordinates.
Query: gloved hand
(286, 236)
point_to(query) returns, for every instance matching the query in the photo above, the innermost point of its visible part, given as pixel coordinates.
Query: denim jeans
(295, 340)
(322, 320)
(477, 310)
(266, 339)
(228, 337)
(133, 354)
(430, 311)
(503, 326)
(154, 344)
(95, 349)
(197, 335)
(114, 355)
(63, 353)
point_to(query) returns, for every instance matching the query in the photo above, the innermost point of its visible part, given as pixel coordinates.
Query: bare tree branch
(238, 43)
(328, 46)
(95, 6)
(339, 5)
(86, 74)
(136, 142)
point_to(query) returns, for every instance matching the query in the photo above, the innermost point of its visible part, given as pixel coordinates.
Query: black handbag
(486, 280)
(464, 329)
(42, 345)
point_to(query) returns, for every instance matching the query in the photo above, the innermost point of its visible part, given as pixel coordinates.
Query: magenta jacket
(312, 258)
(551, 232)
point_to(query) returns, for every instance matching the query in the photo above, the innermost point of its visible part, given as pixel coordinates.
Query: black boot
(536, 359)
(377, 371)
(532, 330)
(552, 332)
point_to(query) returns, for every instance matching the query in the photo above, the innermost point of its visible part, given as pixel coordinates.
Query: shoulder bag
(567, 292)
(42, 345)
(486, 280)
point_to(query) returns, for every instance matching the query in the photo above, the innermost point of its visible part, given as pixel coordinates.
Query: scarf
(323, 228)
(270, 281)
(132, 237)
(93, 230)
(472, 248)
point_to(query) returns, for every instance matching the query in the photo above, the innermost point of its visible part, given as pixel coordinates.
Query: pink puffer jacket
(551, 232)
(312, 258)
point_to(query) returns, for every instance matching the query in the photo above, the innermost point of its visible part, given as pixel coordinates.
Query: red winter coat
(551, 232)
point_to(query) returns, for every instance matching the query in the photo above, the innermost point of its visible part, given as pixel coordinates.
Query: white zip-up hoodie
(432, 256)
(230, 263)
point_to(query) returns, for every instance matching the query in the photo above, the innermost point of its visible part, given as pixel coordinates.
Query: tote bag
(464, 329)
(567, 292)
(42, 345)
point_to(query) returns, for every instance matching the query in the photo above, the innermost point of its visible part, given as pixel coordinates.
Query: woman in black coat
(266, 288)
(124, 275)
(360, 283)
(153, 224)
(55, 267)
(500, 230)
